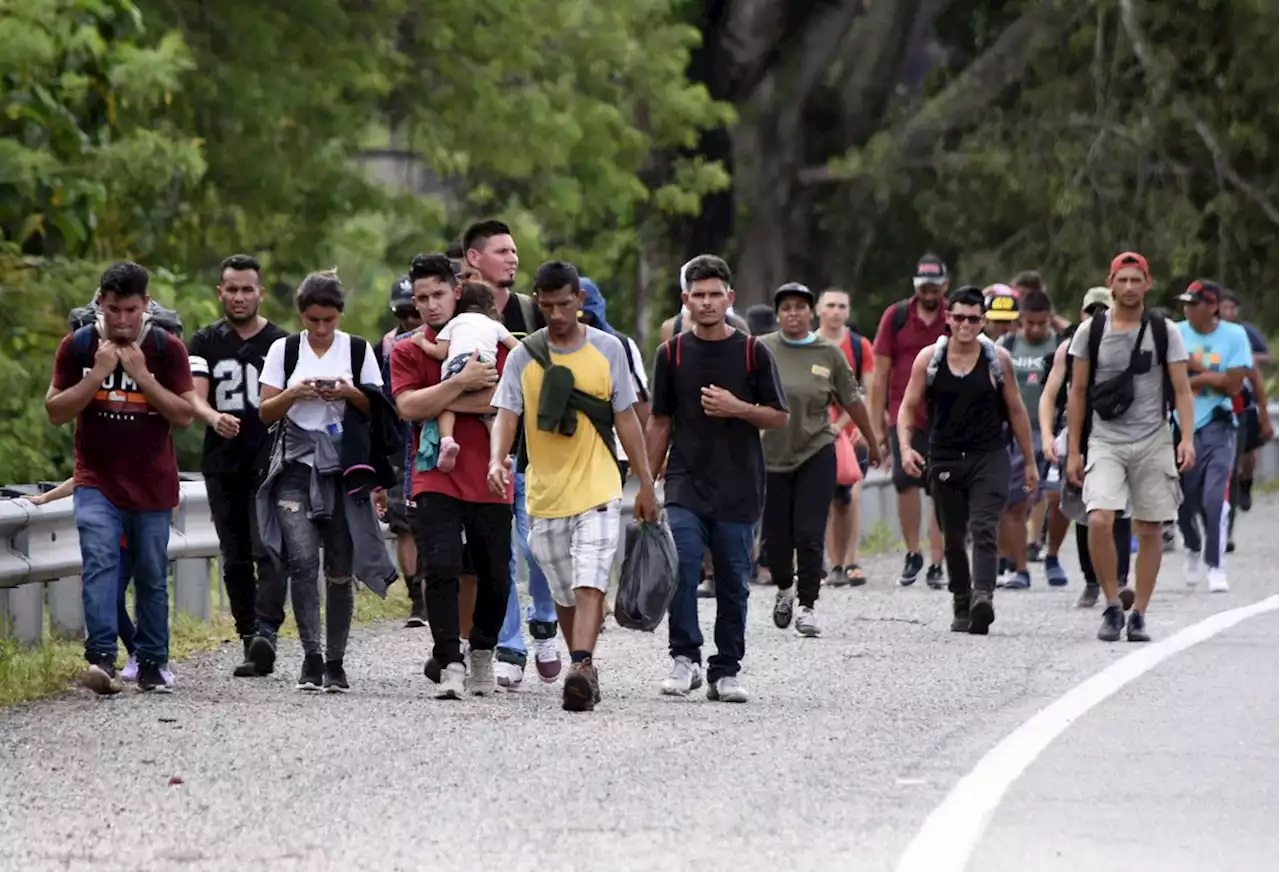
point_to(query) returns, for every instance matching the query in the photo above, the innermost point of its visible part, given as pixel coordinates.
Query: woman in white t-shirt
(475, 328)
(311, 402)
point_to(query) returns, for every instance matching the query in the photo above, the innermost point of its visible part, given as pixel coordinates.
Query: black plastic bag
(650, 574)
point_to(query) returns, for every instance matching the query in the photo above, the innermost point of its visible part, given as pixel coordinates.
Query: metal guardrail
(40, 551)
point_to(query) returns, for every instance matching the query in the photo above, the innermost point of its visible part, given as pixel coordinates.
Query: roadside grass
(31, 673)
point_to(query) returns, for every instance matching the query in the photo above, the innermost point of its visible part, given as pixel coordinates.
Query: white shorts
(577, 551)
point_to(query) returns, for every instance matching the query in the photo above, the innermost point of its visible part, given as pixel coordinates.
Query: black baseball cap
(401, 294)
(793, 289)
(930, 270)
(761, 319)
(1201, 291)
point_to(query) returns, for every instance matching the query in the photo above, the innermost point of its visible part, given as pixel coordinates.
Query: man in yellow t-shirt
(573, 386)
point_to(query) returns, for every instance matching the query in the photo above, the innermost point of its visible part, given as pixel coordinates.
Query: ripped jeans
(304, 536)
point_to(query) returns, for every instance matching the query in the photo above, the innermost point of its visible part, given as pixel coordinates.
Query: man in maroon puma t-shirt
(125, 383)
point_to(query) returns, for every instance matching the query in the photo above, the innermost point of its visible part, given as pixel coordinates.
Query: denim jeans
(730, 546)
(541, 613)
(100, 525)
(303, 538)
(124, 623)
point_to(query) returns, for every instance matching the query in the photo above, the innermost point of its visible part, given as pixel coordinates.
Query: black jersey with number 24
(232, 366)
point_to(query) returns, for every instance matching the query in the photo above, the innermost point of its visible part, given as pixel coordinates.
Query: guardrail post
(191, 576)
(66, 609)
(22, 608)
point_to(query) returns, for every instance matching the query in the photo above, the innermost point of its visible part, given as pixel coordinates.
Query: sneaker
(783, 607)
(1193, 568)
(449, 449)
(960, 612)
(727, 689)
(130, 671)
(707, 588)
(150, 678)
(1035, 552)
(1088, 597)
(335, 677)
(1126, 594)
(417, 616)
(1020, 580)
(101, 678)
(482, 681)
(581, 688)
(685, 676)
(262, 651)
(911, 568)
(1218, 580)
(936, 578)
(1112, 624)
(509, 676)
(807, 623)
(981, 613)
(167, 676)
(453, 682)
(246, 669)
(1137, 629)
(546, 657)
(312, 675)
(836, 577)
(1054, 574)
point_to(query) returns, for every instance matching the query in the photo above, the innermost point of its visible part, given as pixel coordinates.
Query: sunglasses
(967, 319)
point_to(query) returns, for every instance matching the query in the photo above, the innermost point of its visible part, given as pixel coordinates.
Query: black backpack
(82, 323)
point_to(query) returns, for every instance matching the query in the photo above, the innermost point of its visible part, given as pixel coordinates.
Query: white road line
(953, 830)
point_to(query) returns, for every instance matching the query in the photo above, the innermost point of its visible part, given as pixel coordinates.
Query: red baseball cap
(1128, 258)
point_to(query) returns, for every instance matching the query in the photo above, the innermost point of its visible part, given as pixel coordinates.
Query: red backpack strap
(679, 336)
(751, 354)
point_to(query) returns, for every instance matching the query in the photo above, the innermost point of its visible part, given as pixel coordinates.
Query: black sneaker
(1126, 595)
(417, 615)
(335, 677)
(1112, 624)
(262, 651)
(150, 678)
(981, 613)
(312, 675)
(960, 612)
(101, 677)
(247, 669)
(911, 568)
(935, 577)
(1137, 629)
(784, 605)
(1088, 597)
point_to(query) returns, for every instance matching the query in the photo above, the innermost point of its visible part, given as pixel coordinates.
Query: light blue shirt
(1225, 348)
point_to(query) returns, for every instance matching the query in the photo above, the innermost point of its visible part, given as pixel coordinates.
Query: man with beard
(226, 359)
(905, 329)
(491, 253)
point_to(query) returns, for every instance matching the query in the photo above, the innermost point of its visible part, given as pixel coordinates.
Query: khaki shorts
(1142, 474)
(577, 551)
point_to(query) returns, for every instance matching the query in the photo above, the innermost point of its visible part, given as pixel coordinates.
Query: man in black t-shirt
(226, 359)
(714, 390)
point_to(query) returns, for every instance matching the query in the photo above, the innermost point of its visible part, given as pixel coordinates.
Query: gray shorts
(577, 551)
(1142, 474)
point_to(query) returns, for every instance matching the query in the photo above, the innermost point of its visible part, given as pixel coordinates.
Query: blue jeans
(101, 525)
(730, 546)
(541, 614)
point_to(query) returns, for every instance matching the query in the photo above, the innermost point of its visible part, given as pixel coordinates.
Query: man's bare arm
(632, 437)
(503, 435)
(914, 396)
(657, 439)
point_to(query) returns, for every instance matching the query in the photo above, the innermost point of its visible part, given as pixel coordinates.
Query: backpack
(527, 312)
(293, 345)
(641, 393)
(853, 344)
(82, 324)
(901, 310)
(673, 356)
(1159, 336)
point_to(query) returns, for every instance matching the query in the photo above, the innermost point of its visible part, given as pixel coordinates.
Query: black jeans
(247, 572)
(970, 492)
(796, 504)
(1122, 532)
(439, 524)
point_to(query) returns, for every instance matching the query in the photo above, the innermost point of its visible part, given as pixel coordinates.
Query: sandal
(853, 575)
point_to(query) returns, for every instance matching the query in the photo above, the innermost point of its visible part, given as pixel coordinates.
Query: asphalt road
(849, 742)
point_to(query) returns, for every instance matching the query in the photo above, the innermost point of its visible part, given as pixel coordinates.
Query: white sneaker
(1193, 569)
(807, 623)
(508, 675)
(453, 682)
(727, 689)
(685, 676)
(1218, 580)
(482, 681)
